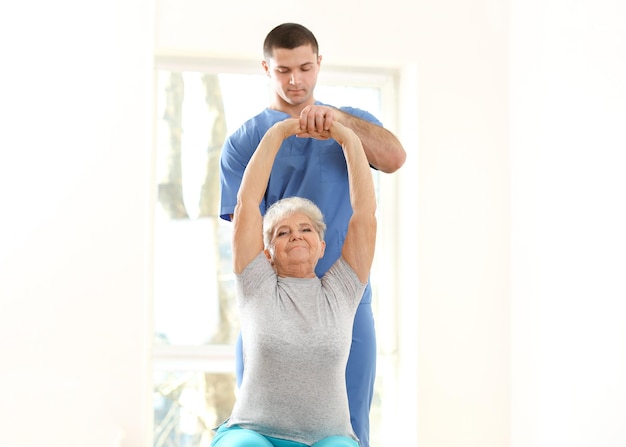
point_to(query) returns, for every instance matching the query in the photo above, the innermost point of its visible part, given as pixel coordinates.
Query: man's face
(293, 74)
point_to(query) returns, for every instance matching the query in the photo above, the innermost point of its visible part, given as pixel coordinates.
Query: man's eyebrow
(285, 67)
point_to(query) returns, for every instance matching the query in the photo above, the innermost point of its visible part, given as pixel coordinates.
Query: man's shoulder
(265, 118)
(256, 126)
(241, 144)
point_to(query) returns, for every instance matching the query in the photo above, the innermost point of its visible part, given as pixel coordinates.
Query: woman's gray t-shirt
(296, 334)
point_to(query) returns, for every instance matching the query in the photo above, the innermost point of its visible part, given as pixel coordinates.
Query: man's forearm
(383, 150)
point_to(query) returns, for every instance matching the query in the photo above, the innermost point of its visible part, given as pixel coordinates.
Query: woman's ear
(268, 255)
(322, 249)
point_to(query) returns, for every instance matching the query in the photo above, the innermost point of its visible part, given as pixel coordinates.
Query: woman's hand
(286, 128)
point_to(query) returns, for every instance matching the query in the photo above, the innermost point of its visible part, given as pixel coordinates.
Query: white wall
(512, 277)
(463, 223)
(568, 149)
(74, 165)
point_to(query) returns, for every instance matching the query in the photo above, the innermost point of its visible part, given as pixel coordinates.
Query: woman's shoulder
(257, 275)
(259, 263)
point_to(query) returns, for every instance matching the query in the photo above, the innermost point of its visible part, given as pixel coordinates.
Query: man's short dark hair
(289, 36)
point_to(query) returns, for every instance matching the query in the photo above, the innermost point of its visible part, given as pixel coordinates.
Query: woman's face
(295, 247)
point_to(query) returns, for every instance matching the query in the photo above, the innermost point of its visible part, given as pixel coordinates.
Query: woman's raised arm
(358, 247)
(247, 219)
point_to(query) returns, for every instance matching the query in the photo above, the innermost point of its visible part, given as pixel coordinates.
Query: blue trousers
(360, 371)
(236, 436)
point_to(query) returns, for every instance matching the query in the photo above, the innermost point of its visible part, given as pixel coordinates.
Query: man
(315, 169)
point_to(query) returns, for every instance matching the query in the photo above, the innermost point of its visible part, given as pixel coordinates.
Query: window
(198, 104)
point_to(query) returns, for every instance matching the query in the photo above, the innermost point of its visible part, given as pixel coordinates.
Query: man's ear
(266, 68)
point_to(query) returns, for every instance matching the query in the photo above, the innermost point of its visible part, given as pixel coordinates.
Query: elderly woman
(297, 327)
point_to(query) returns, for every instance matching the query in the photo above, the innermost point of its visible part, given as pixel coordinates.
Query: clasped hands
(318, 122)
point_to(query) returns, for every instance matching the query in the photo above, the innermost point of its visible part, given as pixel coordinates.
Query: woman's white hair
(286, 207)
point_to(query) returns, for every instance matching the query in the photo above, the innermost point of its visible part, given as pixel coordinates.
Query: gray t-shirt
(296, 334)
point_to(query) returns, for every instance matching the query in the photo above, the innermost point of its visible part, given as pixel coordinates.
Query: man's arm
(382, 148)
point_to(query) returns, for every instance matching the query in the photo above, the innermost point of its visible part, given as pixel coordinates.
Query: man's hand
(337, 131)
(291, 126)
(315, 121)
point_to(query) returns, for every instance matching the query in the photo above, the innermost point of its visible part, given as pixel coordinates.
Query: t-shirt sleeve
(344, 281)
(257, 279)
